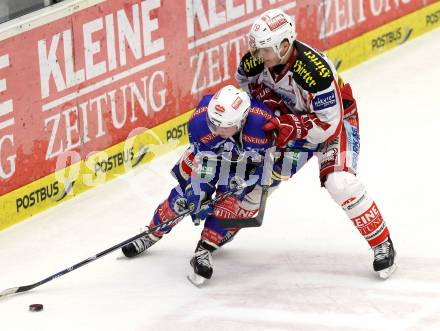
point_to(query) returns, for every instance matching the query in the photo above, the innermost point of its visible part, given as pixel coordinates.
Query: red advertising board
(337, 21)
(83, 82)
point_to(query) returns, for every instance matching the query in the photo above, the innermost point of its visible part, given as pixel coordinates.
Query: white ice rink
(306, 268)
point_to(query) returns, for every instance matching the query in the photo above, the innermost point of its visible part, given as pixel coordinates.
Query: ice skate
(140, 245)
(201, 263)
(384, 259)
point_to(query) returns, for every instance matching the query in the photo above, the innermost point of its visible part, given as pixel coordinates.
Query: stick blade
(239, 223)
(9, 291)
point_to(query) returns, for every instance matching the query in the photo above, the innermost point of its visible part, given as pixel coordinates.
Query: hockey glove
(348, 101)
(268, 97)
(289, 127)
(195, 195)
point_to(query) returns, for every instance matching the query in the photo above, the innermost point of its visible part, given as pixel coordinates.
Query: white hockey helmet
(228, 107)
(270, 29)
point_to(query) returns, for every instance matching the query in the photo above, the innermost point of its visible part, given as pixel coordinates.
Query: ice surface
(306, 268)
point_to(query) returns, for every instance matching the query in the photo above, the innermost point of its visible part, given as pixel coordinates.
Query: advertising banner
(75, 84)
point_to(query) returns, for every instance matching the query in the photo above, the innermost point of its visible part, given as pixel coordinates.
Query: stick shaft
(176, 219)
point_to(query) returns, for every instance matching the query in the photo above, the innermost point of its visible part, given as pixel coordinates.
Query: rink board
(89, 169)
(94, 171)
(386, 37)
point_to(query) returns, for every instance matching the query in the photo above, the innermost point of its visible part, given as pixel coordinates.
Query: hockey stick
(176, 219)
(256, 221)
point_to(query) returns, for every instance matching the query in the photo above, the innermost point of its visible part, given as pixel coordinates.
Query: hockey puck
(36, 307)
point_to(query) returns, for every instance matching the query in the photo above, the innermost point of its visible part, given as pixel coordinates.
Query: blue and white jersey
(210, 155)
(250, 138)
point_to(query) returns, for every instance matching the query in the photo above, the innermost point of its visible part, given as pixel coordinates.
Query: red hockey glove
(268, 97)
(348, 101)
(290, 127)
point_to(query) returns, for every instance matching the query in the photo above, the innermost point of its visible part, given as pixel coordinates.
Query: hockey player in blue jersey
(225, 139)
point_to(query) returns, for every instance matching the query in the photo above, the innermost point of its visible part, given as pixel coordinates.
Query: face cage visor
(257, 52)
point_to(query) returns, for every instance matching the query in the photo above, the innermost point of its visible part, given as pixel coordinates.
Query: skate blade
(386, 273)
(196, 280)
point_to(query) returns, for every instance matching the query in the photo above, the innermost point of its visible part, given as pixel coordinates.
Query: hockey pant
(245, 205)
(338, 162)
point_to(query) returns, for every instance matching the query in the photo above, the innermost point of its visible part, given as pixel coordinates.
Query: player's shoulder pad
(311, 70)
(259, 113)
(250, 66)
(253, 135)
(197, 123)
(201, 109)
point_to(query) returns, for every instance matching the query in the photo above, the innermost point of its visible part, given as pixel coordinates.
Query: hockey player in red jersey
(225, 133)
(314, 108)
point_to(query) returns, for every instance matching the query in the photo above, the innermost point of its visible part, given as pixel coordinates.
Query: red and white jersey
(308, 85)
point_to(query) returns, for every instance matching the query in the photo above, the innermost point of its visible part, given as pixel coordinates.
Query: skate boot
(139, 245)
(201, 263)
(384, 256)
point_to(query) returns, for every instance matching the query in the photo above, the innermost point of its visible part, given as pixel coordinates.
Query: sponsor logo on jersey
(188, 163)
(204, 170)
(330, 157)
(320, 66)
(255, 140)
(199, 111)
(208, 138)
(261, 112)
(251, 63)
(354, 139)
(274, 22)
(325, 100)
(300, 68)
(287, 94)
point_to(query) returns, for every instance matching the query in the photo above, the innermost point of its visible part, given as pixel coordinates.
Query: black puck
(36, 307)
